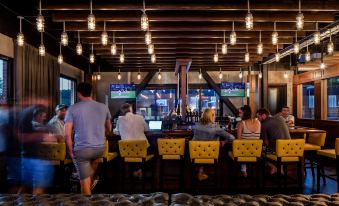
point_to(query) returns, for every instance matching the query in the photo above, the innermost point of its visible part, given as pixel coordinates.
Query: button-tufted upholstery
(245, 150)
(134, 150)
(171, 149)
(204, 152)
(53, 151)
(315, 141)
(289, 150)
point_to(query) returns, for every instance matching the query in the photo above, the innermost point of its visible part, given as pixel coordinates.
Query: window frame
(75, 86)
(9, 81)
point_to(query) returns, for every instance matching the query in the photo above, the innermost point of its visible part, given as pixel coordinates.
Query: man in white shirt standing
(289, 119)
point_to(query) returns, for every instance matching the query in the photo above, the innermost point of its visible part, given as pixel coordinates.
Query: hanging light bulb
(215, 56)
(153, 58)
(114, 46)
(275, 35)
(119, 75)
(20, 38)
(285, 75)
(60, 57)
(42, 50)
(91, 56)
(307, 55)
(316, 35)
(330, 46)
(144, 19)
(296, 45)
(159, 74)
(139, 75)
(200, 75)
(79, 46)
(322, 65)
(240, 74)
(247, 54)
(224, 46)
(249, 17)
(260, 46)
(98, 74)
(148, 37)
(40, 20)
(233, 36)
(104, 36)
(64, 36)
(300, 18)
(277, 55)
(122, 55)
(220, 74)
(91, 19)
(260, 75)
(150, 49)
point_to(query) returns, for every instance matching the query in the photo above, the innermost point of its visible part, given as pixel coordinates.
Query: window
(67, 91)
(333, 98)
(4, 64)
(209, 99)
(155, 104)
(308, 101)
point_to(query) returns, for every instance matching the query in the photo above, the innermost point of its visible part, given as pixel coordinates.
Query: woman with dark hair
(247, 128)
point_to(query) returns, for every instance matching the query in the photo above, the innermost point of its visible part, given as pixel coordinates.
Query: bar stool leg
(161, 178)
(279, 173)
(285, 175)
(143, 173)
(182, 173)
(300, 176)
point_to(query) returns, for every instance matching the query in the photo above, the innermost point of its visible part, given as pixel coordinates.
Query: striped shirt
(248, 134)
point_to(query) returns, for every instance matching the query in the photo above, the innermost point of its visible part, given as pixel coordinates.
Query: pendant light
(104, 36)
(240, 74)
(159, 74)
(60, 57)
(224, 46)
(260, 75)
(150, 49)
(40, 20)
(220, 74)
(119, 75)
(114, 46)
(296, 45)
(330, 45)
(122, 55)
(91, 19)
(148, 37)
(20, 38)
(322, 65)
(98, 75)
(233, 36)
(139, 75)
(260, 46)
(79, 46)
(200, 75)
(64, 36)
(307, 55)
(277, 55)
(275, 35)
(249, 17)
(215, 56)
(144, 19)
(300, 18)
(91, 56)
(247, 55)
(153, 58)
(42, 50)
(285, 75)
(316, 35)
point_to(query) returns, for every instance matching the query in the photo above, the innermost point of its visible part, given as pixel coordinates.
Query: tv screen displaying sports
(232, 89)
(122, 91)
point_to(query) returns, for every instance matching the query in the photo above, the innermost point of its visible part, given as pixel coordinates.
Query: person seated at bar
(248, 128)
(207, 129)
(57, 124)
(272, 128)
(130, 126)
(289, 119)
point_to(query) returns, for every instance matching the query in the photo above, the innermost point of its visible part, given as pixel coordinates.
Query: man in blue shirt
(88, 119)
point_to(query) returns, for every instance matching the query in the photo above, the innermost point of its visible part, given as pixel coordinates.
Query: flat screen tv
(232, 89)
(122, 91)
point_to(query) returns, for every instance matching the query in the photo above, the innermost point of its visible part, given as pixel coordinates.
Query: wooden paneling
(317, 99)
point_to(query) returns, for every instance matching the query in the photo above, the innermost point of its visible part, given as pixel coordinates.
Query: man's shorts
(83, 158)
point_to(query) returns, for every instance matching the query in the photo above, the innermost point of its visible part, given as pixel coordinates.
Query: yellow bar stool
(288, 151)
(106, 159)
(246, 151)
(315, 142)
(171, 150)
(330, 157)
(204, 153)
(134, 152)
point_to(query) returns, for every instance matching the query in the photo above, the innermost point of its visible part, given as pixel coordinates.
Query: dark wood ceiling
(185, 29)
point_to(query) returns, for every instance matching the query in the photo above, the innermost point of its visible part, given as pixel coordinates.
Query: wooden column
(265, 86)
(317, 99)
(253, 92)
(183, 89)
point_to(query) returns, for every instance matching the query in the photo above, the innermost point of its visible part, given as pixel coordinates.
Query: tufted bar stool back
(290, 149)
(204, 152)
(245, 150)
(53, 151)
